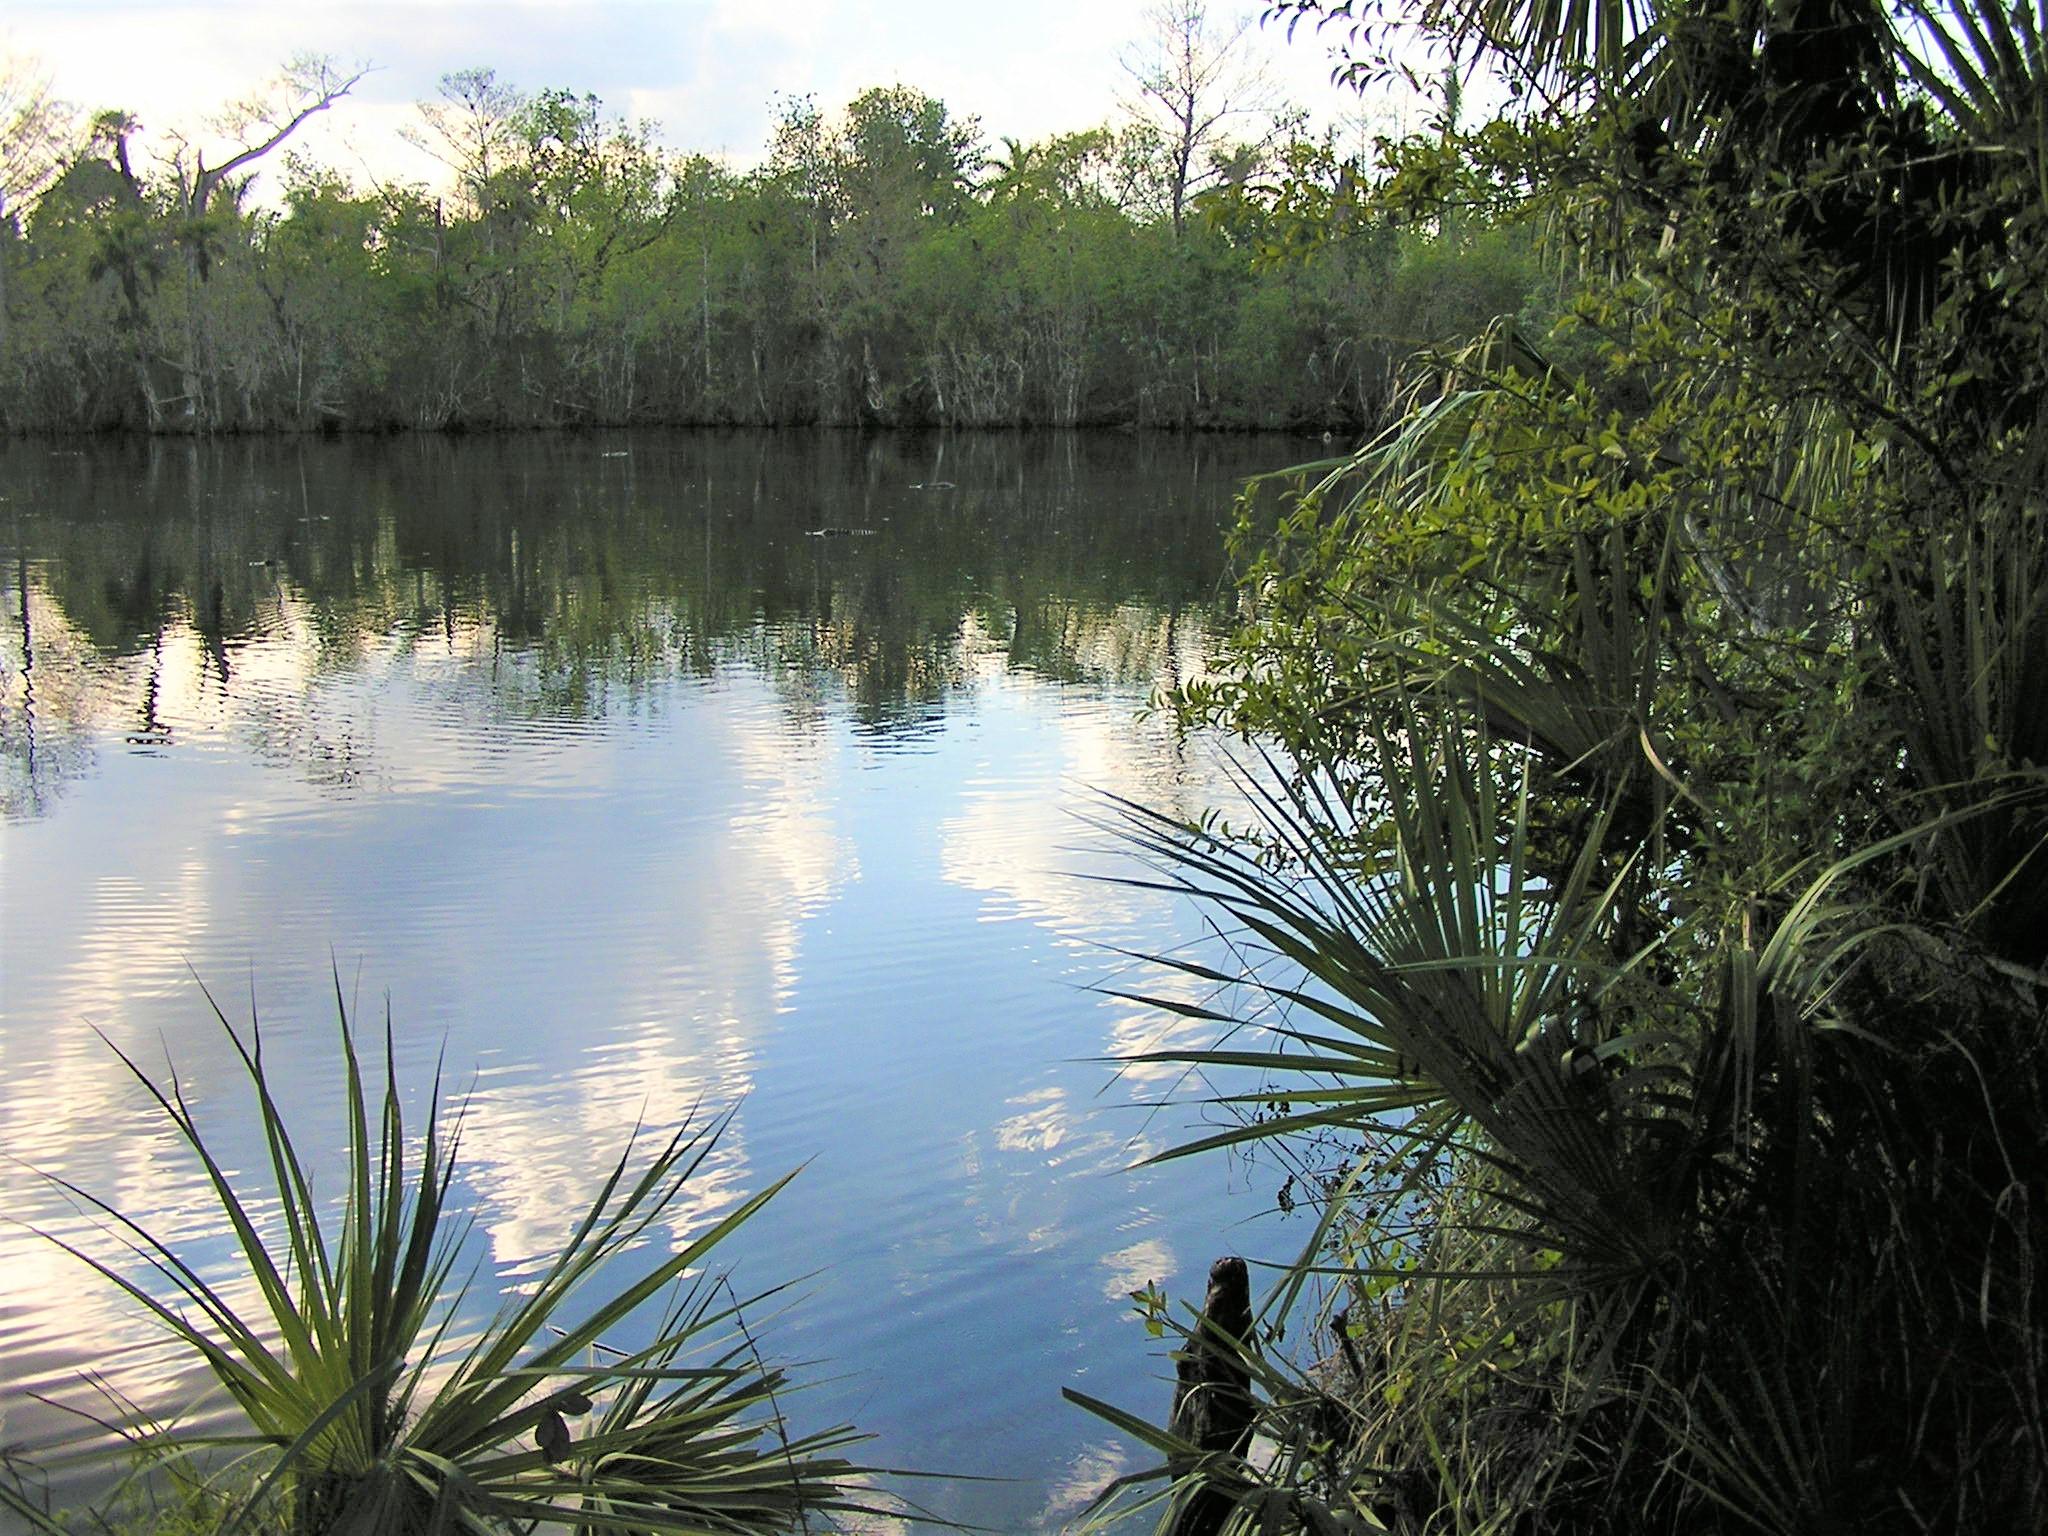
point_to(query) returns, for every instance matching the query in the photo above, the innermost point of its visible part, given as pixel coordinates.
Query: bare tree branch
(1192, 80)
(311, 83)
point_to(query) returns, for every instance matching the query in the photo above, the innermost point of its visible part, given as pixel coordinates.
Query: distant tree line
(881, 266)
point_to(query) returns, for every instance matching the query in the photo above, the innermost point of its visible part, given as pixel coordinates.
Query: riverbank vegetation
(1648, 934)
(1645, 938)
(884, 264)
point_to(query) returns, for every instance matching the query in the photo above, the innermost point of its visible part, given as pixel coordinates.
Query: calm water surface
(632, 796)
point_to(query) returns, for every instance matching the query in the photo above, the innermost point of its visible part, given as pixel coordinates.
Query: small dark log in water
(1212, 1394)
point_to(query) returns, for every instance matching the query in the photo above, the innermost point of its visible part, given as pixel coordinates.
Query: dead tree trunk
(1212, 1395)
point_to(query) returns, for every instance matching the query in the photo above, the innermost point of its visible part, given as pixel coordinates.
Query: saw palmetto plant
(373, 1404)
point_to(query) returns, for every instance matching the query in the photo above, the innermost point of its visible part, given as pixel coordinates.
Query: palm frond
(375, 1419)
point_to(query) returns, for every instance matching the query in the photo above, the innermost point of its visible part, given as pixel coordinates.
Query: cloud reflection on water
(637, 803)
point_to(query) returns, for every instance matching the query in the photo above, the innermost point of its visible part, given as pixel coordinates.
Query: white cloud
(1145, 1262)
(707, 70)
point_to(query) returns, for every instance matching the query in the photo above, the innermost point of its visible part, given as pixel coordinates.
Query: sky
(707, 71)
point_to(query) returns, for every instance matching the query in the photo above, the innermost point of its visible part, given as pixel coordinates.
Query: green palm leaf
(375, 1420)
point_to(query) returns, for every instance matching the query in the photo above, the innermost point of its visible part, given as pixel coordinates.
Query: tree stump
(1212, 1394)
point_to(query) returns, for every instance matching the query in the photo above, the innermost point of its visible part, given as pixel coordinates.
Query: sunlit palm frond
(1439, 985)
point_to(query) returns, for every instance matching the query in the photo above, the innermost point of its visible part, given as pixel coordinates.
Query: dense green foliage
(881, 266)
(1650, 917)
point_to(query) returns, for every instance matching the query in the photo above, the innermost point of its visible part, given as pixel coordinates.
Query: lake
(636, 794)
